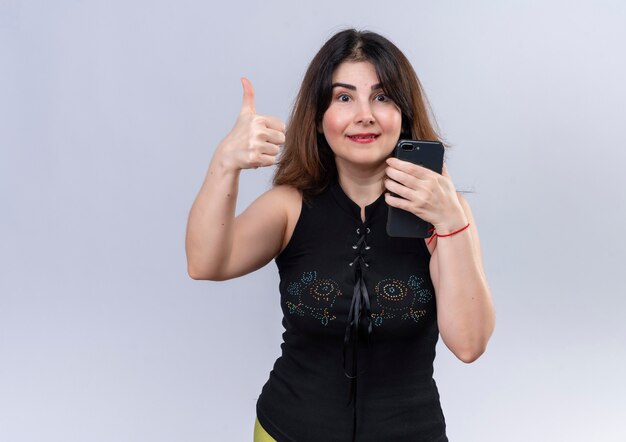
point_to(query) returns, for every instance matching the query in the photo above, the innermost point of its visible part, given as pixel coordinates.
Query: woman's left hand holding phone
(424, 193)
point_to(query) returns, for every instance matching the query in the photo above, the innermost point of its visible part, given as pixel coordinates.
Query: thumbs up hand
(255, 140)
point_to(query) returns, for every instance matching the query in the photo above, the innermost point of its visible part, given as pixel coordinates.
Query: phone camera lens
(406, 146)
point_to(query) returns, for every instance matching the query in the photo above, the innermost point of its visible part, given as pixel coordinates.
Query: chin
(363, 161)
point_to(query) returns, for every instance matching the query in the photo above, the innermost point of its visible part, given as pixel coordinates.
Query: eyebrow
(353, 88)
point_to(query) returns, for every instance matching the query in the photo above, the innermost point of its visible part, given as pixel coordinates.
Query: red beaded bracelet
(435, 234)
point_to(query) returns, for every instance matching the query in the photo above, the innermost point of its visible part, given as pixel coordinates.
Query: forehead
(355, 72)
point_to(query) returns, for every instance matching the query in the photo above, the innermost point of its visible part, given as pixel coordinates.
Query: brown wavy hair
(307, 162)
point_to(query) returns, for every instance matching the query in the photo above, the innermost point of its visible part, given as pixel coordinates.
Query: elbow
(198, 274)
(195, 274)
(470, 355)
(470, 350)
(473, 344)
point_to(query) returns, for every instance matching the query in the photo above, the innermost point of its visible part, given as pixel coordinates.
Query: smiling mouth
(363, 138)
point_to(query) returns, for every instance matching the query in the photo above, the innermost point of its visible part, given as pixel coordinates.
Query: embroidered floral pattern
(393, 298)
(313, 296)
(396, 298)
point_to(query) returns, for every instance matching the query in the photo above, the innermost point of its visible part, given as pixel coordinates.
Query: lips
(363, 137)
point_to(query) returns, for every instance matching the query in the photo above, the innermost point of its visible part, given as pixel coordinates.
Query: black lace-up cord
(358, 316)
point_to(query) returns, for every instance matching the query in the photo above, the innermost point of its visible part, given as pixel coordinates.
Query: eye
(382, 98)
(343, 98)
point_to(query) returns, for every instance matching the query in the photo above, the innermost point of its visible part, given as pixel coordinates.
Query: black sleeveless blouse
(360, 331)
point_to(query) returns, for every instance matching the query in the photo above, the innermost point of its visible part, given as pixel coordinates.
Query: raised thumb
(247, 106)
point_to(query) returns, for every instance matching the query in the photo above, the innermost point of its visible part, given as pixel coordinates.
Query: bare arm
(218, 245)
(465, 312)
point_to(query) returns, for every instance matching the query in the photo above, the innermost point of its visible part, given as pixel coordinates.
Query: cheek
(331, 124)
(393, 122)
(389, 119)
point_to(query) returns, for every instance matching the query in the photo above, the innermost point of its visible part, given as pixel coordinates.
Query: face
(362, 125)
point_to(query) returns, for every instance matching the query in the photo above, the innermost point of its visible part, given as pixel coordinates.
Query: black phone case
(429, 154)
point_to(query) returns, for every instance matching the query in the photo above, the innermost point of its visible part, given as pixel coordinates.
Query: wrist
(224, 163)
(436, 234)
(451, 223)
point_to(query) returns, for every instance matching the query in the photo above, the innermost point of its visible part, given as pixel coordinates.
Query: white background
(109, 114)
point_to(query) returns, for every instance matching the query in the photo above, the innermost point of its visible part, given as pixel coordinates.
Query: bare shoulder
(262, 230)
(288, 200)
(283, 197)
(284, 191)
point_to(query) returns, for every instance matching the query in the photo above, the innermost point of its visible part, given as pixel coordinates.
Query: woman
(362, 310)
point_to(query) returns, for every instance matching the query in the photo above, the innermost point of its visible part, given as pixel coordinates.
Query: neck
(363, 186)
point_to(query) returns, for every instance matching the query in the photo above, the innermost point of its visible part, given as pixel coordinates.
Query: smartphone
(427, 154)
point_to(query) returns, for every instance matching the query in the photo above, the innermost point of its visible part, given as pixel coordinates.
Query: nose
(364, 114)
